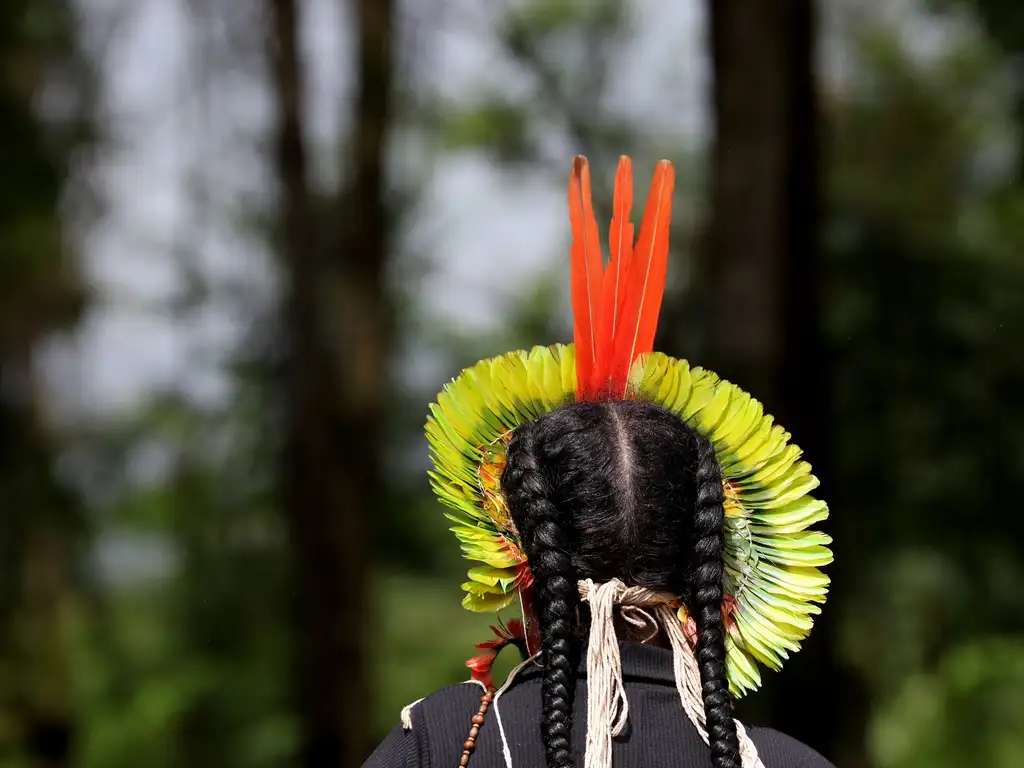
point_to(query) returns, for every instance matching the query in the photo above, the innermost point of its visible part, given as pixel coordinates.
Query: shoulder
(443, 717)
(776, 748)
(403, 747)
(457, 702)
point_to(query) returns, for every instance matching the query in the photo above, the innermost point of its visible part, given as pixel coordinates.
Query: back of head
(626, 490)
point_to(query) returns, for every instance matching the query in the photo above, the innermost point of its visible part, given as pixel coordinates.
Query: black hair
(627, 490)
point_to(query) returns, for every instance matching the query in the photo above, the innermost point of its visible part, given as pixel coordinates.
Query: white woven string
(687, 676)
(607, 707)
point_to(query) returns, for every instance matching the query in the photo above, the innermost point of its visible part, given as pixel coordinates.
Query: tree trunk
(336, 316)
(36, 589)
(748, 236)
(764, 290)
(50, 721)
(41, 521)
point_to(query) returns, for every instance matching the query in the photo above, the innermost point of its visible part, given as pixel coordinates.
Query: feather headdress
(772, 580)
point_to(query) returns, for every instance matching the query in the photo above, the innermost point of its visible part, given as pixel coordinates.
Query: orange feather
(586, 272)
(620, 239)
(645, 281)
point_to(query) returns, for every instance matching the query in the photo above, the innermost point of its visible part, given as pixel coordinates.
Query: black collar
(641, 663)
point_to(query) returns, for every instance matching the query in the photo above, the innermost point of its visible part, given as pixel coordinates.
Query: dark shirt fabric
(658, 735)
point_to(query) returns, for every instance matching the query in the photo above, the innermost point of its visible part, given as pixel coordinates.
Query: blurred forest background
(242, 245)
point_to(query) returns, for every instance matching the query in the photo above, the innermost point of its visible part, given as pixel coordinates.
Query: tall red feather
(620, 239)
(644, 285)
(586, 268)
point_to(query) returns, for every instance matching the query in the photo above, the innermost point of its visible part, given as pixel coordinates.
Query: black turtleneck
(658, 736)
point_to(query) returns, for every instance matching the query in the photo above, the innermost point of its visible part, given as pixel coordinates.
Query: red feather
(620, 239)
(644, 285)
(586, 272)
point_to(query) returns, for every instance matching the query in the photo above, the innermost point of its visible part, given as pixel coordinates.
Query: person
(653, 524)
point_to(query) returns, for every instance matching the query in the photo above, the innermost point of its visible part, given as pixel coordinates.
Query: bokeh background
(243, 244)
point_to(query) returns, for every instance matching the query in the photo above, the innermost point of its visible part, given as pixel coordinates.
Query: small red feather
(645, 281)
(586, 273)
(620, 239)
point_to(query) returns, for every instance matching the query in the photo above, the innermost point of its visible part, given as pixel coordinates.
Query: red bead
(478, 719)
(470, 745)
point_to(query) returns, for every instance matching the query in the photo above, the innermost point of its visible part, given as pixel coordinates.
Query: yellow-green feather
(772, 556)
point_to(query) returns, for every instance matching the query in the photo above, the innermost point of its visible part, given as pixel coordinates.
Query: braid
(706, 599)
(543, 529)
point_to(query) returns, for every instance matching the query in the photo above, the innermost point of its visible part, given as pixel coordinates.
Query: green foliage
(413, 658)
(164, 700)
(924, 320)
(495, 125)
(968, 711)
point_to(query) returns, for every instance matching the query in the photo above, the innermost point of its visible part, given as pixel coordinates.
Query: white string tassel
(607, 707)
(407, 714)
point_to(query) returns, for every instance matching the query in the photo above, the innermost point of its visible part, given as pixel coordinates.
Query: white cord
(501, 726)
